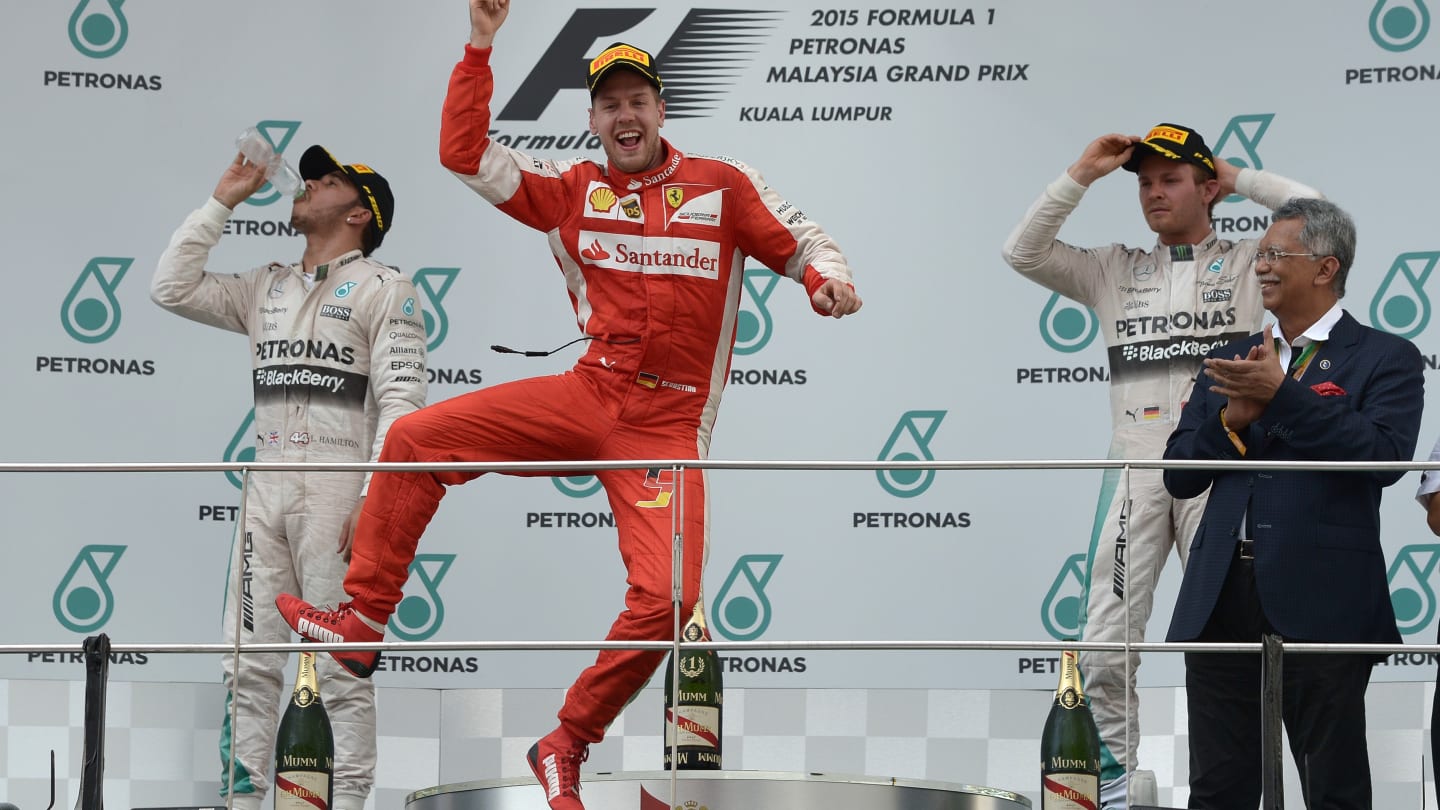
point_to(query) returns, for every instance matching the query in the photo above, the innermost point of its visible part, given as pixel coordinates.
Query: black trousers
(1323, 711)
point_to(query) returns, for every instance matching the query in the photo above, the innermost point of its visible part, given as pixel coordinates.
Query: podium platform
(723, 790)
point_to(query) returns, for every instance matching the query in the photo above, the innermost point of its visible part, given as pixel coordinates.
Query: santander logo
(595, 252)
(699, 258)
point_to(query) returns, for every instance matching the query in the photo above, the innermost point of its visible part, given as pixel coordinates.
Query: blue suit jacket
(1319, 568)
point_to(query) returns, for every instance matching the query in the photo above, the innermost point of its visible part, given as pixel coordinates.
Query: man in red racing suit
(652, 247)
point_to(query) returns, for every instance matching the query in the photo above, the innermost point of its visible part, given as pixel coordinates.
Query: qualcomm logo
(741, 610)
(910, 441)
(241, 448)
(91, 312)
(1400, 306)
(1064, 603)
(279, 134)
(1239, 141)
(578, 486)
(433, 283)
(753, 325)
(1067, 326)
(83, 600)
(1399, 25)
(1410, 591)
(421, 610)
(98, 28)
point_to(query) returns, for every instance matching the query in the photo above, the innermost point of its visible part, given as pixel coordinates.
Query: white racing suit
(334, 365)
(1160, 310)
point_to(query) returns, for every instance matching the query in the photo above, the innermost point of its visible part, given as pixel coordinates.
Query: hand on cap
(241, 179)
(836, 298)
(486, 17)
(1104, 155)
(1226, 172)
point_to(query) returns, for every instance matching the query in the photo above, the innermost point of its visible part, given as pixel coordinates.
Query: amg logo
(247, 599)
(332, 311)
(1215, 296)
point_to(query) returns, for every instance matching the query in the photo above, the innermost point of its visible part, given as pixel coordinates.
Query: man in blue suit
(1296, 554)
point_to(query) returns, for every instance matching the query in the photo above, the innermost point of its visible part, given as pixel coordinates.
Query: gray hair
(1328, 231)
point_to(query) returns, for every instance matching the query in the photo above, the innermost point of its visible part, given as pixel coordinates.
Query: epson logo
(332, 311)
(1215, 296)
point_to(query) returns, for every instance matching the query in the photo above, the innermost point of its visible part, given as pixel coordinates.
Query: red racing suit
(654, 264)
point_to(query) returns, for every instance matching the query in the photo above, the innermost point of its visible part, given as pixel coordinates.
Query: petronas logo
(1399, 25)
(1064, 603)
(98, 28)
(83, 599)
(1400, 305)
(577, 486)
(741, 611)
(433, 283)
(910, 441)
(1410, 592)
(1067, 326)
(1239, 142)
(91, 312)
(241, 449)
(279, 134)
(421, 611)
(753, 324)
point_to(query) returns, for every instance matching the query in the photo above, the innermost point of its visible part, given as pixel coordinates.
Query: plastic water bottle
(257, 149)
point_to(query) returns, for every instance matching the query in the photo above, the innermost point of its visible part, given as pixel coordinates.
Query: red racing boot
(333, 627)
(555, 761)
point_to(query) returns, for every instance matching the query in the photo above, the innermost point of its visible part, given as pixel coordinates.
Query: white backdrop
(121, 117)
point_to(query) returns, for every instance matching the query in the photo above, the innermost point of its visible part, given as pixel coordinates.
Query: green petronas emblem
(1400, 305)
(83, 600)
(98, 28)
(910, 441)
(1067, 326)
(1399, 25)
(742, 610)
(1240, 141)
(753, 324)
(279, 134)
(422, 611)
(577, 486)
(91, 312)
(1410, 591)
(1063, 605)
(433, 283)
(242, 447)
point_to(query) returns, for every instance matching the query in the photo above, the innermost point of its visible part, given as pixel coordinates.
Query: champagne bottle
(701, 696)
(1070, 746)
(304, 746)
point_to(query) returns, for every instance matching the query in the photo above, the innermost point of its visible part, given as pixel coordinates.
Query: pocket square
(1328, 389)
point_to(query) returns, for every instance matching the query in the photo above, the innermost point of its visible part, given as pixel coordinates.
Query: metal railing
(1271, 649)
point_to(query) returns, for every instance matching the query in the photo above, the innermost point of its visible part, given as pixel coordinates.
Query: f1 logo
(709, 39)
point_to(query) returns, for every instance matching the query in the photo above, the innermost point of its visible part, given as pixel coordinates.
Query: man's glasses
(1274, 255)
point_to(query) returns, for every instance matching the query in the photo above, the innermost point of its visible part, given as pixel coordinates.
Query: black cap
(620, 55)
(374, 189)
(1176, 142)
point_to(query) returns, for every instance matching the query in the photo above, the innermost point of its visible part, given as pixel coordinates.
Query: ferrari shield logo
(674, 195)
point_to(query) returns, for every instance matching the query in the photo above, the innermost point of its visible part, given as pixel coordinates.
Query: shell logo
(602, 200)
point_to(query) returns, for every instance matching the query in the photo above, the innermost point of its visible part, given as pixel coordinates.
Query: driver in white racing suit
(338, 354)
(1161, 310)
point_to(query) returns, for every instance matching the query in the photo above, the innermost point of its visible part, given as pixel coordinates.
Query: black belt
(1245, 549)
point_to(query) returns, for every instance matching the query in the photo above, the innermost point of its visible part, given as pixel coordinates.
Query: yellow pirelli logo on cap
(618, 52)
(1168, 133)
